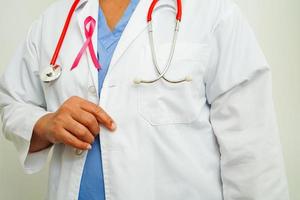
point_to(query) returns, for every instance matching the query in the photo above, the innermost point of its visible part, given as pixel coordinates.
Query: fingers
(76, 123)
(88, 120)
(101, 116)
(69, 139)
(80, 131)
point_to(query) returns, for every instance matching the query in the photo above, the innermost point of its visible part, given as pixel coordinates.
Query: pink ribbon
(88, 43)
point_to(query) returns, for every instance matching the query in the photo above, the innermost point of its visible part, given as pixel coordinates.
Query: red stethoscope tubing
(153, 4)
(63, 34)
(71, 12)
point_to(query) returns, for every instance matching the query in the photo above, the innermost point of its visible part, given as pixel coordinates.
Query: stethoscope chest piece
(50, 73)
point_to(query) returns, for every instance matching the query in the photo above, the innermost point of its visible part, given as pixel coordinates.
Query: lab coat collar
(136, 25)
(85, 9)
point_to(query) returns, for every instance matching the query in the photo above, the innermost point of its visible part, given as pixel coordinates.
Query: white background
(277, 26)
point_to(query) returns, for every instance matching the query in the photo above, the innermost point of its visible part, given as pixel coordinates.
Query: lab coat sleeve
(22, 100)
(239, 91)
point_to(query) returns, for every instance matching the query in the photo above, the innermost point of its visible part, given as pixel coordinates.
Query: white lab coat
(213, 138)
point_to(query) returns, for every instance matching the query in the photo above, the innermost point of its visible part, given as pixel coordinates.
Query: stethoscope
(162, 73)
(53, 72)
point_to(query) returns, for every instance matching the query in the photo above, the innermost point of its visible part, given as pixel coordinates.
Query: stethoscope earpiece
(188, 79)
(137, 81)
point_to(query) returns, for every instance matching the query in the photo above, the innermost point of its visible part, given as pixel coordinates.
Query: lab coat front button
(92, 90)
(78, 152)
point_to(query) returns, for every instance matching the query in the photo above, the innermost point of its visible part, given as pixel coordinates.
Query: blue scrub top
(92, 184)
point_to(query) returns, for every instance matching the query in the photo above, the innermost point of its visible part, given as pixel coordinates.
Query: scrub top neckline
(105, 32)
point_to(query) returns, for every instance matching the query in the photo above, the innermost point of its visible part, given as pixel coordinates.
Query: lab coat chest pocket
(163, 103)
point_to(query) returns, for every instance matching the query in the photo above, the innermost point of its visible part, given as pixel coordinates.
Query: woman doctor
(135, 114)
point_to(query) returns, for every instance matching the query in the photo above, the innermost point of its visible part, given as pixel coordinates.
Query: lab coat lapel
(85, 9)
(135, 26)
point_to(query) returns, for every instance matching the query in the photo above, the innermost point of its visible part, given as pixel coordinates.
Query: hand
(75, 123)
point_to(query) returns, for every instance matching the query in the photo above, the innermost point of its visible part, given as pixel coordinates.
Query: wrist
(41, 126)
(39, 140)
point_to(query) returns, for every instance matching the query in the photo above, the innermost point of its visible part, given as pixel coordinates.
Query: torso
(157, 127)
